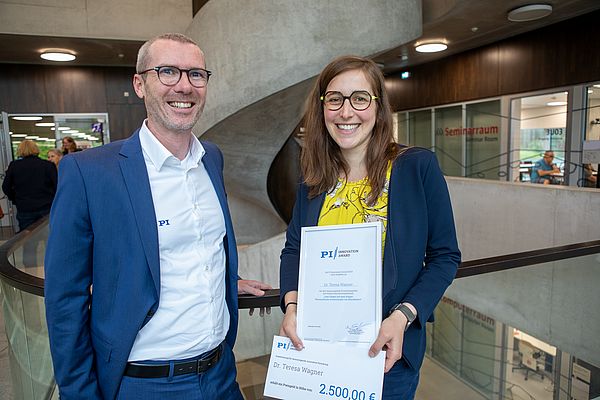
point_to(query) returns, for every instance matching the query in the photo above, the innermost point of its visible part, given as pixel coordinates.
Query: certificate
(319, 372)
(339, 287)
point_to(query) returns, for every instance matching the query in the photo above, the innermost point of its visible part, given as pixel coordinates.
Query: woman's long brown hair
(321, 159)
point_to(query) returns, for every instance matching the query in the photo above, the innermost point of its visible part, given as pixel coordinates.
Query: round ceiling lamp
(432, 47)
(57, 56)
(530, 12)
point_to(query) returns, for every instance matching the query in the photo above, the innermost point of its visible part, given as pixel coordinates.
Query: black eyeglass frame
(187, 72)
(349, 98)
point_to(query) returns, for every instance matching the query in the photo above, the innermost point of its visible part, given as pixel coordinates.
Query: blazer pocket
(102, 348)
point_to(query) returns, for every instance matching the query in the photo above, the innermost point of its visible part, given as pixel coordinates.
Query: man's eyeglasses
(170, 76)
(359, 100)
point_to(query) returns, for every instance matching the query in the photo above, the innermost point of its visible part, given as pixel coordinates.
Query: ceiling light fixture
(432, 47)
(31, 118)
(59, 56)
(45, 124)
(556, 103)
(530, 12)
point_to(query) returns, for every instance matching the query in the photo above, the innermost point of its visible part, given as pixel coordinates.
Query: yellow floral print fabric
(346, 203)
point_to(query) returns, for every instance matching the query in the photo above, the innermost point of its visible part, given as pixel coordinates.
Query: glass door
(539, 127)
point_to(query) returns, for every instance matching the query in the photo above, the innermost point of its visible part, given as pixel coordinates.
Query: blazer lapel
(217, 181)
(313, 209)
(133, 168)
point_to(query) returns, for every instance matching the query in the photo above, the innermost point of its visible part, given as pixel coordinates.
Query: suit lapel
(133, 168)
(313, 209)
(217, 181)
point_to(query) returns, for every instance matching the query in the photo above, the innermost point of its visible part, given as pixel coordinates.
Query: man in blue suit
(141, 264)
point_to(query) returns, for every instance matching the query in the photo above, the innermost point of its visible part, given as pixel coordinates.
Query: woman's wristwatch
(410, 316)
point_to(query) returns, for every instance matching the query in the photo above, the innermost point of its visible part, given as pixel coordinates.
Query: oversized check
(323, 370)
(339, 288)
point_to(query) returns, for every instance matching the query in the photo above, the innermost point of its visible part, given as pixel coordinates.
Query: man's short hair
(142, 57)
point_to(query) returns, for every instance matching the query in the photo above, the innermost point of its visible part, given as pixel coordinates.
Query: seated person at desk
(590, 176)
(544, 169)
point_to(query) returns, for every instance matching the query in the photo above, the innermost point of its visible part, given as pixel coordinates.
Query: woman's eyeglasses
(359, 100)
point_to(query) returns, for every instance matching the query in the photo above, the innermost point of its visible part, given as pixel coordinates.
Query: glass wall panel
(40, 130)
(589, 176)
(449, 140)
(401, 127)
(541, 126)
(419, 129)
(87, 131)
(483, 139)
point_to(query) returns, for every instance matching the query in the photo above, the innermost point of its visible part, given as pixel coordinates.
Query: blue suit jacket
(421, 253)
(103, 231)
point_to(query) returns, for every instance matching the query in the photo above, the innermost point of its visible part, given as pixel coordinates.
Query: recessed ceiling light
(556, 103)
(63, 128)
(70, 131)
(431, 47)
(19, 134)
(32, 137)
(45, 124)
(530, 12)
(58, 56)
(31, 118)
(598, 86)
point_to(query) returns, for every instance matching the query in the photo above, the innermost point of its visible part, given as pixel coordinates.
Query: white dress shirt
(192, 315)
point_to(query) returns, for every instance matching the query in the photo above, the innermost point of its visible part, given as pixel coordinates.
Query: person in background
(589, 179)
(146, 222)
(69, 145)
(54, 156)
(543, 169)
(30, 183)
(353, 172)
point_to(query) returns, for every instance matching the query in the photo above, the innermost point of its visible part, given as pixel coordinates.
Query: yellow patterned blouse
(346, 203)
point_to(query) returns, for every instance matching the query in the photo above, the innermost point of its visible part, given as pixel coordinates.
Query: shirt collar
(157, 154)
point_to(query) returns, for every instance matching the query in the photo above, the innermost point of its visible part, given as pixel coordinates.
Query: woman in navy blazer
(348, 141)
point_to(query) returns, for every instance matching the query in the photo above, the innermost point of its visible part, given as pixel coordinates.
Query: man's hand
(255, 288)
(390, 339)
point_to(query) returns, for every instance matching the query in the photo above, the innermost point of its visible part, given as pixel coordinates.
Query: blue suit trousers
(217, 383)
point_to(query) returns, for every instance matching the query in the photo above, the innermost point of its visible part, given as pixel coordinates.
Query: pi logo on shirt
(163, 222)
(329, 253)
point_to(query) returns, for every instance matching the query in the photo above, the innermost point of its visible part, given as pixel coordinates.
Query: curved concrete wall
(264, 55)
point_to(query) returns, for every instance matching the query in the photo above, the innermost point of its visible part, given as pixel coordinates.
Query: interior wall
(34, 89)
(557, 55)
(544, 117)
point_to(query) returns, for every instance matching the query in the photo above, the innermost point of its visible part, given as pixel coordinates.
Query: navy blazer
(421, 252)
(103, 231)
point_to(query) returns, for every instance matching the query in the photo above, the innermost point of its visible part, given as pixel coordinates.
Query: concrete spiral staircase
(265, 56)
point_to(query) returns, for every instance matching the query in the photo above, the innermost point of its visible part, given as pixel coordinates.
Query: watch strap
(403, 308)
